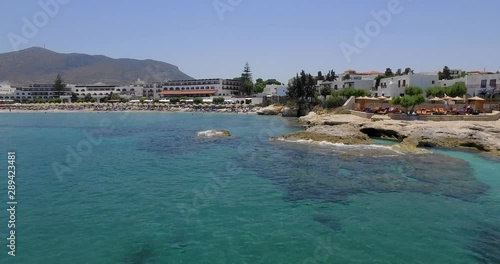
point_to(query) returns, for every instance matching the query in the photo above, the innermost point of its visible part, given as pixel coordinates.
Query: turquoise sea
(142, 188)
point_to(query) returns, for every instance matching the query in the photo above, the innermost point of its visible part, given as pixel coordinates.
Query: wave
(342, 146)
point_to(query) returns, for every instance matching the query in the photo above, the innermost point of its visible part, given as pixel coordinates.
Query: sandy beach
(140, 108)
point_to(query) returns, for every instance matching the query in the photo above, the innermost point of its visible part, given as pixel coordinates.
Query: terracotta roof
(369, 73)
(190, 92)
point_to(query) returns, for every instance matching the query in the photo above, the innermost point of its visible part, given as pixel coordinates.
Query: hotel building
(201, 88)
(40, 91)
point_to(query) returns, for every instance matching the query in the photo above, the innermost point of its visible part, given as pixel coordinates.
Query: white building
(354, 75)
(274, 90)
(447, 83)
(201, 88)
(39, 91)
(7, 92)
(483, 84)
(395, 86)
(456, 73)
(357, 84)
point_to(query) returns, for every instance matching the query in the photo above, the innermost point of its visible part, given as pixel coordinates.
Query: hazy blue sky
(277, 38)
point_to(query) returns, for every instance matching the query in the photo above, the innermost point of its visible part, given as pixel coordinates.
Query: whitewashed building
(483, 85)
(274, 90)
(447, 83)
(395, 86)
(7, 92)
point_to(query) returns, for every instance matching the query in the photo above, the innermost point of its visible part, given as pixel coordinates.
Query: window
(399, 84)
(493, 83)
(404, 83)
(433, 82)
(483, 83)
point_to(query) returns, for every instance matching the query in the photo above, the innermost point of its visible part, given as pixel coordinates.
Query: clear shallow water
(148, 191)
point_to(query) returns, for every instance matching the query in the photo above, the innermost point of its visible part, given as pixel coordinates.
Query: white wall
(473, 82)
(395, 87)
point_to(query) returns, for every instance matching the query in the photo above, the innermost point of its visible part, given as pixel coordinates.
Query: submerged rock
(214, 134)
(410, 145)
(486, 245)
(140, 255)
(329, 221)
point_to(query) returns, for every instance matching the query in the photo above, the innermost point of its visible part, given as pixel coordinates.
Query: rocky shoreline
(412, 135)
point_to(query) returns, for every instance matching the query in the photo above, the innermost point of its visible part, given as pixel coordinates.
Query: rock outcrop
(270, 110)
(214, 134)
(479, 135)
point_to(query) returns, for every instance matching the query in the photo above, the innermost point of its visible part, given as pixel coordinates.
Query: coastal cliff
(350, 129)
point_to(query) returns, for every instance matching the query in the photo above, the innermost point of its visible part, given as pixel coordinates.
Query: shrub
(175, 100)
(334, 102)
(197, 100)
(218, 100)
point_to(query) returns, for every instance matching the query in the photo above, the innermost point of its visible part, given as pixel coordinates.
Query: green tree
(218, 100)
(388, 72)
(346, 77)
(59, 86)
(435, 91)
(273, 81)
(399, 72)
(302, 89)
(198, 101)
(246, 81)
(348, 92)
(74, 98)
(377, 80)
(408, 71)
(320, 76)
(445, 74)
(458, 89)
(259, 86)
(413, 96)
(334, 102)
(325, 91)
(88, 98)
(331, 76)
(174, 100)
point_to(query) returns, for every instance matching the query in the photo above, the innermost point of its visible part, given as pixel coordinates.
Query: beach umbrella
(447, 98)
(475, 98)
(457, 98)
(436, 99)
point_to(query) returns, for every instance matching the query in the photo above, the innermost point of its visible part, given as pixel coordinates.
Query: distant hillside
(38, 65)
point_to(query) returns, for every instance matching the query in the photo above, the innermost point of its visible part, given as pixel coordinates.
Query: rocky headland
(350, 129)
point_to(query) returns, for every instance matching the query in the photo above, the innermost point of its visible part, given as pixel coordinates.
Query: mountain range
(39, 65)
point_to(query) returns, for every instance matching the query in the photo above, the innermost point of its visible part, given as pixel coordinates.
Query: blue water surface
(143, 188)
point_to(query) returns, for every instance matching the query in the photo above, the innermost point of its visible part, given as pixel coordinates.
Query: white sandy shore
(251, 111)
